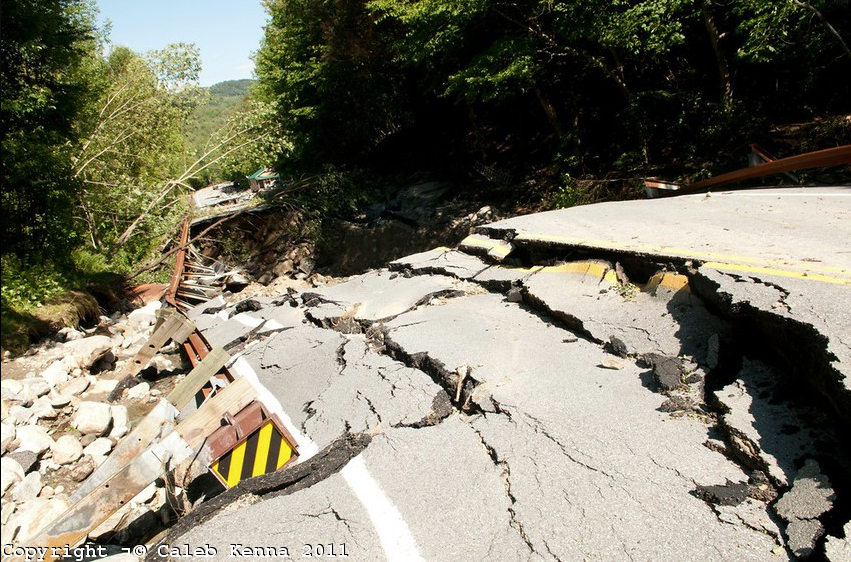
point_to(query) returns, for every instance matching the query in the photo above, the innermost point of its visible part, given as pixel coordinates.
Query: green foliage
(335, 193)
(568, 194)
(506, 68)
(651, 27)
(47, 80)
(617, 83)
(324, 69)
(27, 285)
(225, 98)
(141, 112)
(429, 31)
(251, 140)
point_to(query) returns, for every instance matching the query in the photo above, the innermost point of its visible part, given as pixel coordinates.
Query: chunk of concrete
(811, 494)
(803, 535)
(839, 549)
(667, 371)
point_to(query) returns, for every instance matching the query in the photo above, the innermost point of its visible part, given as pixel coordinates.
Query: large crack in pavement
(327, 462)
(540, 407)
(740, 447)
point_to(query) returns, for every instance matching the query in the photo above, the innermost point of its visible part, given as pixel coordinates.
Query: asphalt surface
(516, 401)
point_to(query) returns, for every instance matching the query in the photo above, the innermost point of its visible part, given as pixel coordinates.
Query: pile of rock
(299, 263)
(57, 424)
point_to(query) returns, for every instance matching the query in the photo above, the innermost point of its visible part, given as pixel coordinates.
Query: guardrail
(828, 157)
(210, 408)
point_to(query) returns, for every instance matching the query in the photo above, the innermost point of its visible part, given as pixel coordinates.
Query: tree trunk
(832, 30)
(550, 110)
(726, 88)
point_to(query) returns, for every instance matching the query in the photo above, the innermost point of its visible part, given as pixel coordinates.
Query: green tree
(47, 49)
(134, 142)
(324, 68)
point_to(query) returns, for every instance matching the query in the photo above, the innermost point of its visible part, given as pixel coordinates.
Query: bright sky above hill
(226, 31)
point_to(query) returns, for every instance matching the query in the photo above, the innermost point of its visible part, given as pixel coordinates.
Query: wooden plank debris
(198, 377)
(109, 496)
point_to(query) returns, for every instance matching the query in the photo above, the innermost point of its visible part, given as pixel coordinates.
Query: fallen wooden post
(109, 496)
(149, 428)
(198, 377)
(175, 327)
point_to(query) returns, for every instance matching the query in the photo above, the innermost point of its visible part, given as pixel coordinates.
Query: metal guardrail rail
(828, 157)
(242, 437)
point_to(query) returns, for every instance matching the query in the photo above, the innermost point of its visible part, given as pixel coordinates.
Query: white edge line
(393, 532)
(307, 448)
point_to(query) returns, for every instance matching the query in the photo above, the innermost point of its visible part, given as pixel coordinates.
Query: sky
(226, 31)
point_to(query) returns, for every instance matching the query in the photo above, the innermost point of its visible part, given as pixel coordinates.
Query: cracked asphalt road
(511, 398)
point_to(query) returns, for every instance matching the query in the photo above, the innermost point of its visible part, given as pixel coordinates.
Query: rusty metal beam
(819, 159)
(180, 259)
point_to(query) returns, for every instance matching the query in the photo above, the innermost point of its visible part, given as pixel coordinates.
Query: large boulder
(92, 417)
(89, 351)
(33, 438)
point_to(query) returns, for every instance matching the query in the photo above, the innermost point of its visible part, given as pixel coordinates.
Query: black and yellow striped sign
(265, 451)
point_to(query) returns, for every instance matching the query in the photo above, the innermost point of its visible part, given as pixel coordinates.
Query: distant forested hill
(225, 97)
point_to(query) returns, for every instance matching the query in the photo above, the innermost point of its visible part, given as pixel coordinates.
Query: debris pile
(58, 425)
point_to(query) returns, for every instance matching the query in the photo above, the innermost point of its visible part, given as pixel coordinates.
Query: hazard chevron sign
(254, 444)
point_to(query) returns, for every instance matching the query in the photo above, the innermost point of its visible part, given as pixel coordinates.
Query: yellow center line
(782, 268)
(779, 272)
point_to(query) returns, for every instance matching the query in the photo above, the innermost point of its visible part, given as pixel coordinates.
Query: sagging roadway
(645, 380)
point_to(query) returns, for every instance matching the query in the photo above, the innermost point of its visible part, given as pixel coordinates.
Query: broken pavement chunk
(810, 497)
(731, 493)
(803, 535)
(442, 261)
(667, 371)
(374, 296)
(479, 244)
(754, 423)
